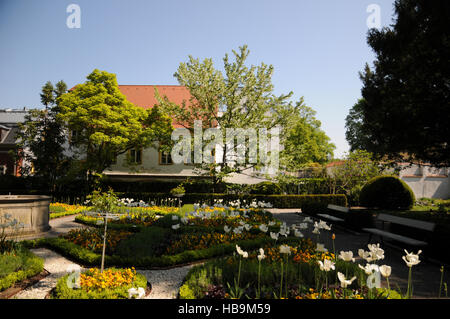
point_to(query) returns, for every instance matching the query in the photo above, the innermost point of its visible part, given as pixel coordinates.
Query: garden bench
(408, 222)
(335, 208)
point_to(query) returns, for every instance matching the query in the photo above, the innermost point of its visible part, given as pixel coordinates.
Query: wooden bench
(412, 223)
(335, 208)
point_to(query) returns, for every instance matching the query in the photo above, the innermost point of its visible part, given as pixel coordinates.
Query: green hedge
(278, 201)
(31, 266)
(86, 257)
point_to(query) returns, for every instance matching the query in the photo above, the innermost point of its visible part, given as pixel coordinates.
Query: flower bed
(296, 271)
(60, 210)
(17, 265)
(92, 239)
(93, 284)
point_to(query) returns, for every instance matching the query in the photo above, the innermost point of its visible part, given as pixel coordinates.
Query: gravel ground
(165, 283)
(56, 265)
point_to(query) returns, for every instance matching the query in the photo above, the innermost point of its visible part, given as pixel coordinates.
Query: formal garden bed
(110, 283)
(245, 253)
(172, 239)
(18, 264)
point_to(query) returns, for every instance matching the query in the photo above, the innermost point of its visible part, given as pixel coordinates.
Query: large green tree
(404, 113)
(239, 97)
(105, 124)
(306, 143)
(41, 138)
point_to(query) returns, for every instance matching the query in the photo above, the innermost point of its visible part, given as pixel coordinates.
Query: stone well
(31, 210)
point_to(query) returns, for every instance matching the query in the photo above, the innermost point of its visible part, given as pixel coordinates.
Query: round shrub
(387, 192)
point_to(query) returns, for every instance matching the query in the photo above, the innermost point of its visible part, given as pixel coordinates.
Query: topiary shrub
(387, 192)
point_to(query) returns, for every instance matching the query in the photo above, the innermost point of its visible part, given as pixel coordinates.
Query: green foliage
(86, 257)
(211, 90)
(104, 202)
(221, 271)
(147, 242)
(106, 124)
(62, 291)
(265, 188)
(179, 190)
(18, 266)
(306, 142)
(350, 175)
(387, 192)
(278, 201)
(41, 138)
(397, 117)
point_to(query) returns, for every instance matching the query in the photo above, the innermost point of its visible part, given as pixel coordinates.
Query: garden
(240, 251)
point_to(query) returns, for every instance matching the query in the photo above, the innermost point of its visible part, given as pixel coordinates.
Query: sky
(316, 47)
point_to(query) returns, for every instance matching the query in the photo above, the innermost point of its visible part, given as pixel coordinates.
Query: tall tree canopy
(105, 124)
(405, 110)
(41, 138)
(239, 97)
(306, 143)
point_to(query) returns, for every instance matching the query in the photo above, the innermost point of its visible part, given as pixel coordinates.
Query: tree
(404, 113)
(104, 124)
(349, 176)
(41, 138)
(240, 97)
(305, 144)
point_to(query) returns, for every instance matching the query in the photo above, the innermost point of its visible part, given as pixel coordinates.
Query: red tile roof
(144, 95)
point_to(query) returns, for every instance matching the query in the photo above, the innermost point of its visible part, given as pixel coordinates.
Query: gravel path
(56, 265)
(165, 283)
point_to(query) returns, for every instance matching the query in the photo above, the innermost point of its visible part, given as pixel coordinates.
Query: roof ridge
(152, 85)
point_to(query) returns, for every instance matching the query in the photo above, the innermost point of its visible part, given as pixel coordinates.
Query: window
(165, 158)
(135, 156)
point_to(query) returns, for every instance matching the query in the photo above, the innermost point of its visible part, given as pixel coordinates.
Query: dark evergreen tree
(405, 111)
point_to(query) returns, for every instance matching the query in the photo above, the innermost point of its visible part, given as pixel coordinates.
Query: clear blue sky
(316, 47)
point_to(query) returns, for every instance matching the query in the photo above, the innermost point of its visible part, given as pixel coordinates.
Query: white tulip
(226, 229)
(344, 281)
(175, 227)
(241, 252)
(261, 255)
(298, 234)
(369, 268)
(285, 249)
(307, 220)
(411, 259)
(346, 256)
(326, 265)
(376, 252)
(263, 228)
(303, 226)
(274, 236)
(321, 248)
(385, 271)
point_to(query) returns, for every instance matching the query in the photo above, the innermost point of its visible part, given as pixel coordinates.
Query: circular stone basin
(31, 210)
